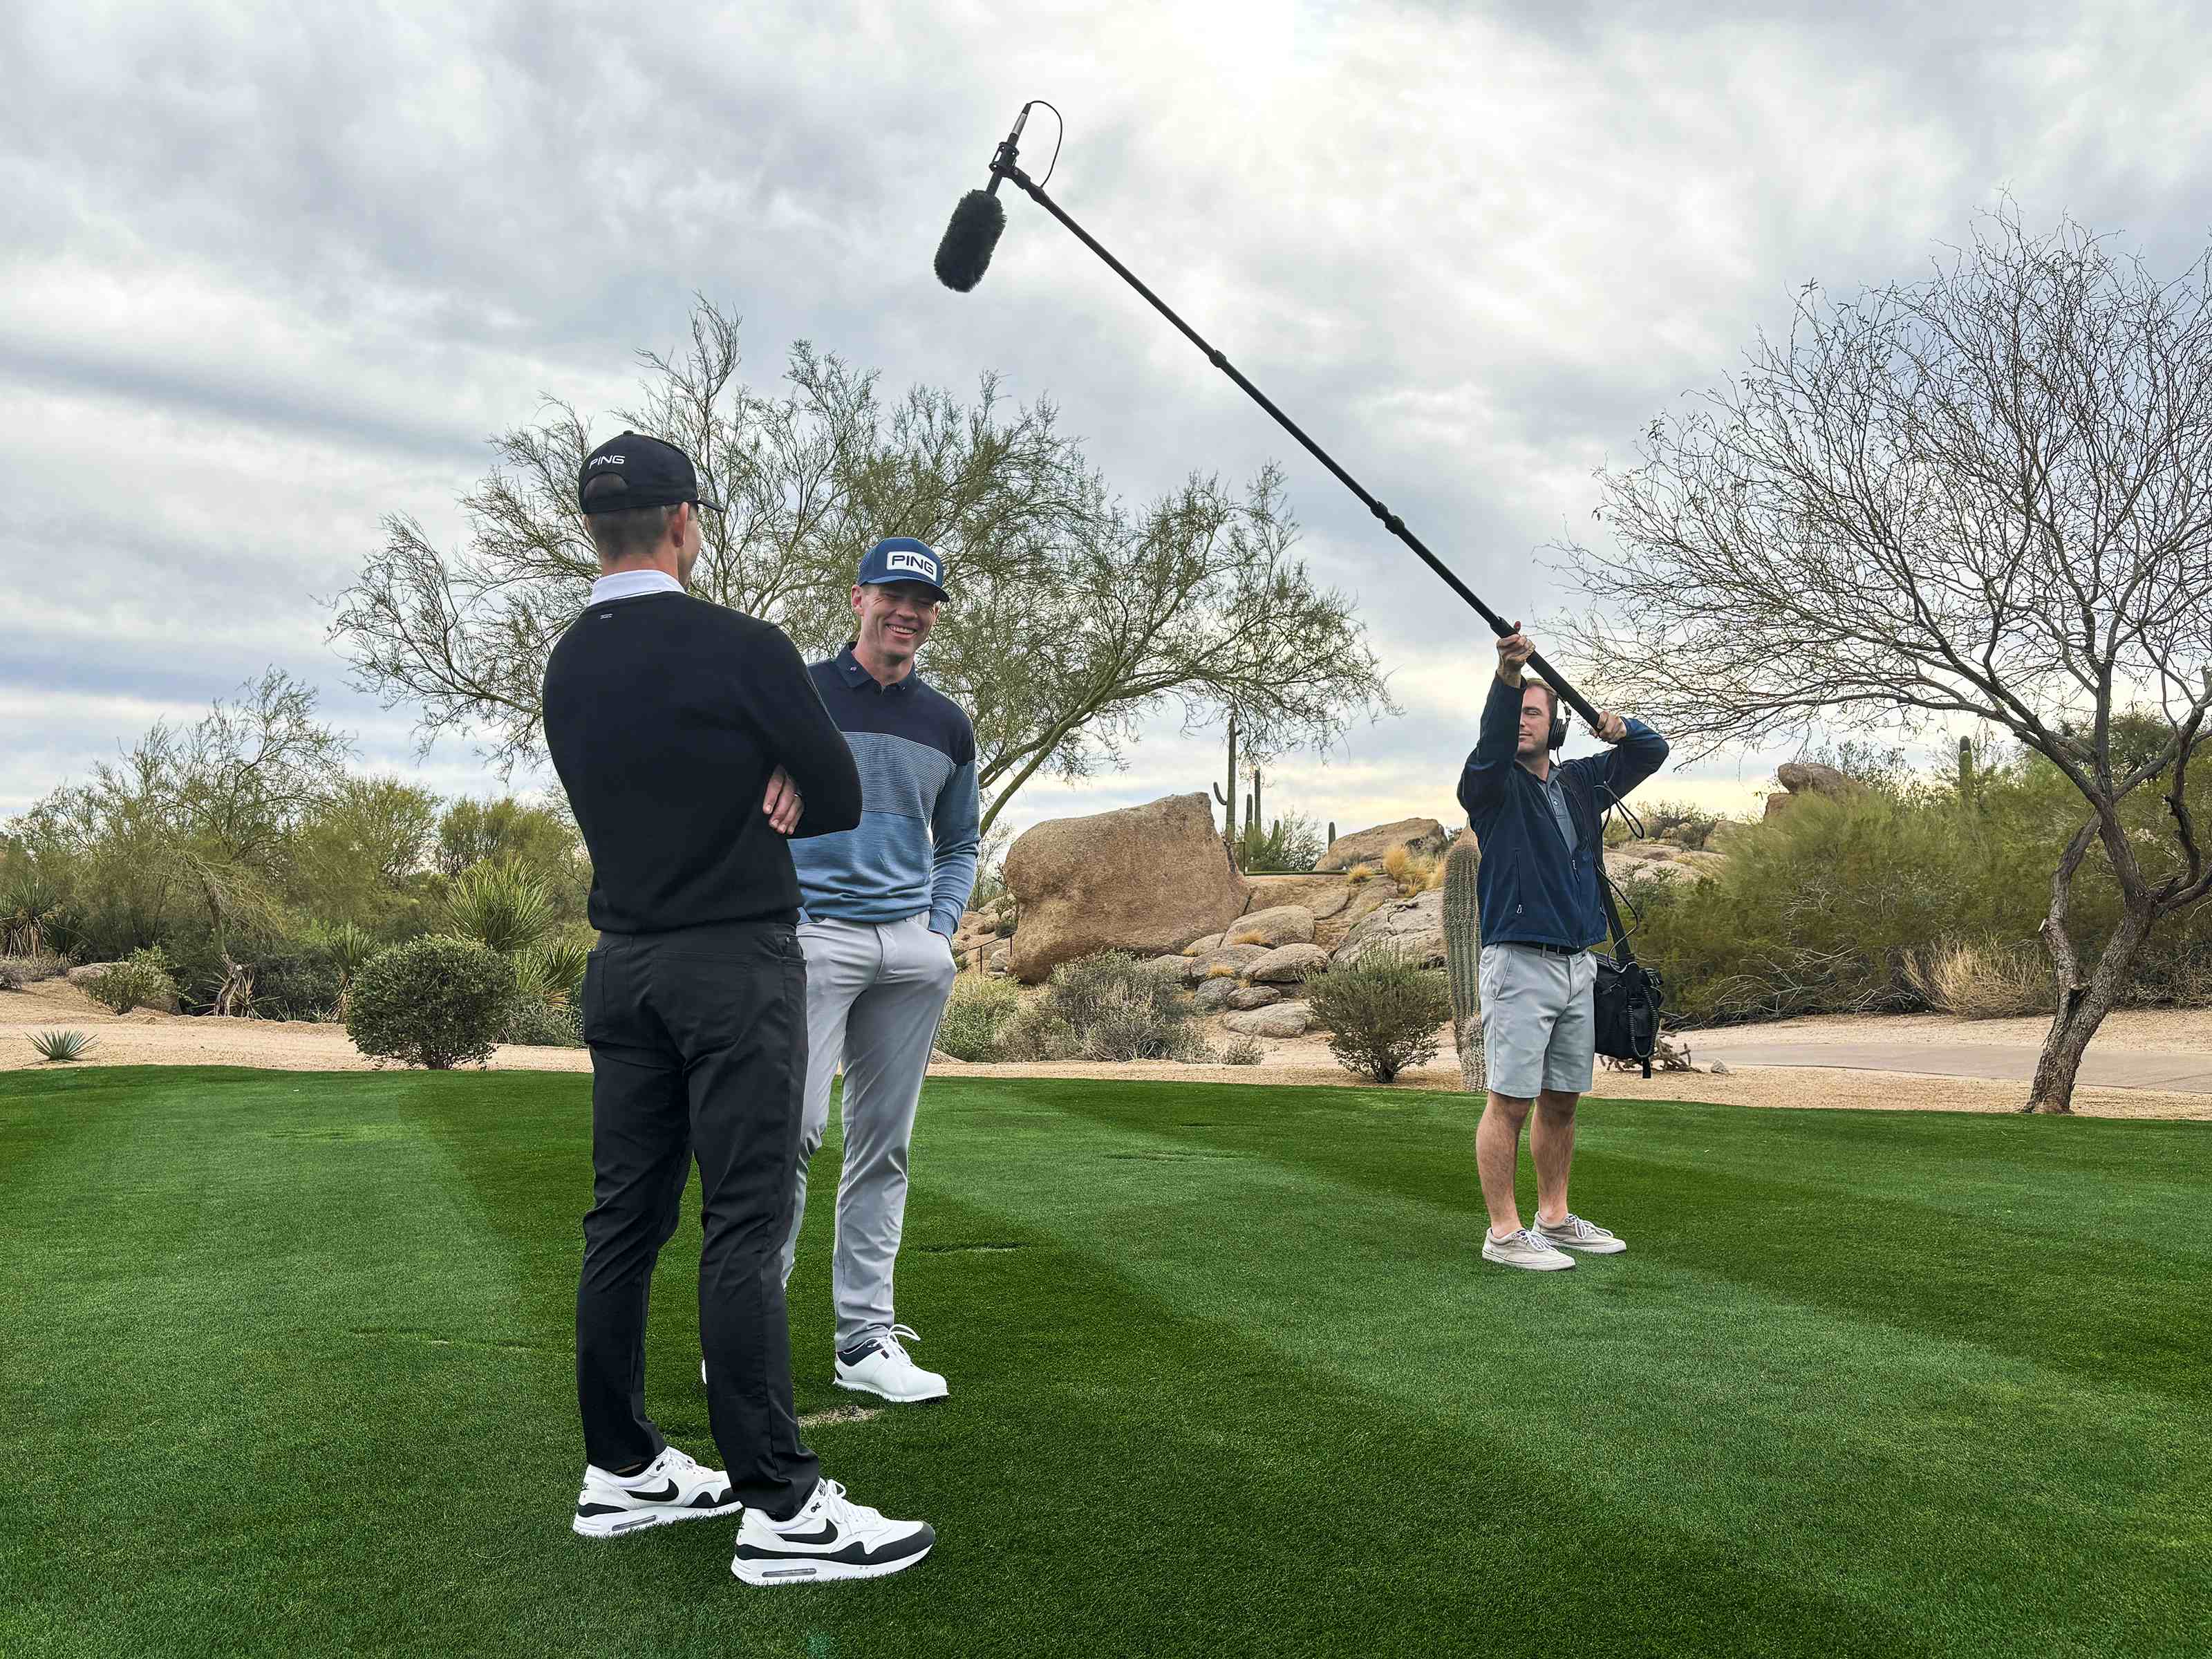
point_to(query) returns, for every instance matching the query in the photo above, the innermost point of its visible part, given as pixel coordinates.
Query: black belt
(1548, 950)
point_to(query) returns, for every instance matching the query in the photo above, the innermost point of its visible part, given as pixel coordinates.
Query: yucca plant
(58, 1046)
(553, 972)
(28, 912)
(502, 907)
(349, 949)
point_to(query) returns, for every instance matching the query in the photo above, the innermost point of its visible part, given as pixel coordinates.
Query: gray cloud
(275, 273)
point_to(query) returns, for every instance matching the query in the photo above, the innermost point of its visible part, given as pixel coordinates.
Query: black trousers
(698, 1041)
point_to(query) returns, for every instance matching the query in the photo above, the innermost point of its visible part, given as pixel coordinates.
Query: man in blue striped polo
(880, 903)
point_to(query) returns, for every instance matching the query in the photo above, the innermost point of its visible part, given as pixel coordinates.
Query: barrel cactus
(1463, 958)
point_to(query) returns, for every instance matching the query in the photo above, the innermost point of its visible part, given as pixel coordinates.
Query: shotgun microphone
(965, 252)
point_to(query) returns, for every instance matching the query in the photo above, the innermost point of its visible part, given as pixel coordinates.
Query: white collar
(634, 584)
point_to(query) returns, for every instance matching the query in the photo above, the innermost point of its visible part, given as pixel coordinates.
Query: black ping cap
(651, 473)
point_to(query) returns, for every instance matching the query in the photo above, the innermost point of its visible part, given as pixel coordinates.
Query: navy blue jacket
(1529, 890)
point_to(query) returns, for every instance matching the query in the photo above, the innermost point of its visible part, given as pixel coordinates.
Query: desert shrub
(505, 908)
(143, 982)
(437, 1002)
(538, 1024)
(1245, 1051)
(1221, 970)
(1983, 982)
(298, 978)
(1128, 1023)
(1109, 1006)
(975, 1017)
(1381, 1012)
(1677, 821)
(1290, 844)
(1034, 1031)
(17, 972)
(61, 1046)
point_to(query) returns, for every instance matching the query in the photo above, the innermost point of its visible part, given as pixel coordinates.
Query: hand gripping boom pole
(1005, 166)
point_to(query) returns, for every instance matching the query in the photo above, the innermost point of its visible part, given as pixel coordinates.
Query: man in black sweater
(691, 742)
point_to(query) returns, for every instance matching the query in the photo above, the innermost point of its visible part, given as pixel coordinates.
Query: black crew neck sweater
(665, 716)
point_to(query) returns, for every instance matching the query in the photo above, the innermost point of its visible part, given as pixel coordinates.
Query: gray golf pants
(874, 992)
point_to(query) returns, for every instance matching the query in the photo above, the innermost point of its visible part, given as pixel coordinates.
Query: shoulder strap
(1622, 953)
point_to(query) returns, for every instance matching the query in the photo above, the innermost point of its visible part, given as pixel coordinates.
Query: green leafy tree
(360, 855)
(191, 830)
(1074, 619)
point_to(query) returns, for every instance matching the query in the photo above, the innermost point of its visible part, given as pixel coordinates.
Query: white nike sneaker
(882, 1367)
(673, 1488)
(831, 1537)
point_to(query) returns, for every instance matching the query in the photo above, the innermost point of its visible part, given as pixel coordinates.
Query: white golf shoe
(881, 1366)
(1523, 1249)
(831, 1537)
(673, 1488)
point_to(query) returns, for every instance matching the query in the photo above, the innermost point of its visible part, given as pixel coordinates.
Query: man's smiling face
(895, 618)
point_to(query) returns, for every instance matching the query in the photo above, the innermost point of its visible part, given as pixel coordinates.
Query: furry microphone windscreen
(965, 252)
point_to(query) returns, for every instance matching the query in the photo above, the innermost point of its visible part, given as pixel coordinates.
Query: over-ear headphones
(1558, 732)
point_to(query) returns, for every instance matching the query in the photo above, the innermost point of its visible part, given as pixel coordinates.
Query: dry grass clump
(1221, 970)
(1247, 937)
(1359, 872)
(1414, 872)
(1982, 981)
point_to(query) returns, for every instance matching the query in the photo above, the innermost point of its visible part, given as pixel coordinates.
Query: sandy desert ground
(150, 1039)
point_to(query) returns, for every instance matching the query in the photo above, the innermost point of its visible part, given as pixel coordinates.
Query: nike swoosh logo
(651, 1497)
(827, 1536)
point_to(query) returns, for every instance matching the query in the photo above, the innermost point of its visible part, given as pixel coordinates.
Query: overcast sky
(273, 272)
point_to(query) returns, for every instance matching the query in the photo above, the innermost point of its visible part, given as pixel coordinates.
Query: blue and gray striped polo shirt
(915, 848)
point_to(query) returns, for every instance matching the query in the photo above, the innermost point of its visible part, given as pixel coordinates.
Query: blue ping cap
(902, 559)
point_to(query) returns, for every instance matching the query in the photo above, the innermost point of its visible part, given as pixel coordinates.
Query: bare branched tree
(1984, 496)
(1072, 619)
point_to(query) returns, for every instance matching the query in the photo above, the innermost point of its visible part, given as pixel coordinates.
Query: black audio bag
(1628, 996)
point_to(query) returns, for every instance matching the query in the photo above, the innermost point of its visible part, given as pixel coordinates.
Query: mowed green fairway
(288, 1370)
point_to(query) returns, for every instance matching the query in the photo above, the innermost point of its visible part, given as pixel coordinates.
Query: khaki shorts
(1538, 1025)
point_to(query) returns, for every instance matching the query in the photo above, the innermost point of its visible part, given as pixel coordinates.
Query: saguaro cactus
(1463, 958)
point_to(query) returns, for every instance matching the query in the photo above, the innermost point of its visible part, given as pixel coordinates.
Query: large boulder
(1212, 994)
(1253, 996)
(1324, 895)
(1414, 926)
(1811, 778)
(1145, 879)
(1236, 959)
(1287, 964)
(1423, 836)
(1284, 1019)
(1286, 924)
